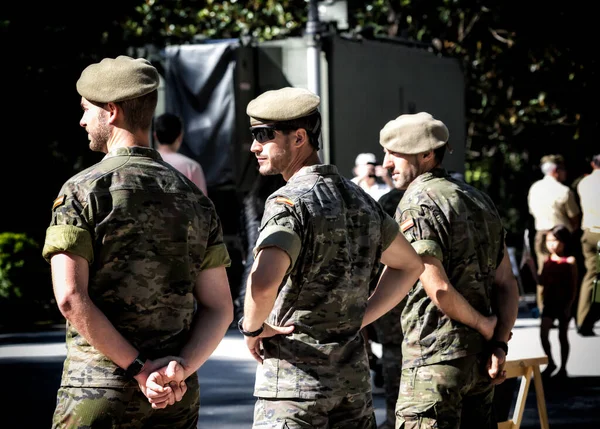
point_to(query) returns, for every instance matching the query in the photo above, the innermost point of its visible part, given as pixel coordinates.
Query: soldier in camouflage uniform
(458, 318)
(138, 267)
(320, 242)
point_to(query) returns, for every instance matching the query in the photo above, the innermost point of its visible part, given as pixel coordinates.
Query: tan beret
(281, 105)
(413, 133)
(117, 79)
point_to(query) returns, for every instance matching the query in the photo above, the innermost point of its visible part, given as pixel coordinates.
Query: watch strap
(249, 333)
(136, 366)
(497, 344)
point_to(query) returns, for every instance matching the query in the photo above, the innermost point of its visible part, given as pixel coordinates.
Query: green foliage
(17, 253)
(25, 288)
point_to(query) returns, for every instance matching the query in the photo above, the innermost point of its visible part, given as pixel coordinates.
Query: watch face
(136, 366)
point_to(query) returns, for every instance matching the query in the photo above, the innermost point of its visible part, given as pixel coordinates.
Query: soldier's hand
(165, 385)
(495, 366)
(254, 344)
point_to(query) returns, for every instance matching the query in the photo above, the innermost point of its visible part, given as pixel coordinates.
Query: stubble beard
(99, 136)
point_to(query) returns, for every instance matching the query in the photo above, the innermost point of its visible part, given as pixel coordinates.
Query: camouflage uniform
(146, 232)
(443, 383)
(334, 234)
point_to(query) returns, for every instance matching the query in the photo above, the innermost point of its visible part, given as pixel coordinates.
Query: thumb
(171, 369)
(284, 329)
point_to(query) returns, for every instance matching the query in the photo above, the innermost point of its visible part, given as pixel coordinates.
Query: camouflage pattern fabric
(123, 408)
(455, 394)
(334, 233)
(147, 232)
(351, 412)
(458, 224)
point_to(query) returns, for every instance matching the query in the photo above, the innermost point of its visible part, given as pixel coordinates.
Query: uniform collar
(432, 174)
(322, 169)
(134, 151)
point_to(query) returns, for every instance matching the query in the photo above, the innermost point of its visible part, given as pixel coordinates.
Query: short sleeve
(70, 229)
(216, 254)
(425, 230)
(389, 230)
(281, 228)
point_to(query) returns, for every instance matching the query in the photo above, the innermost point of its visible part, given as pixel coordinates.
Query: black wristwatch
(247, 333)
(136, 366)
(497, 344)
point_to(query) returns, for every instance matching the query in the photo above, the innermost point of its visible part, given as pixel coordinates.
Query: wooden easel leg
(540, 397)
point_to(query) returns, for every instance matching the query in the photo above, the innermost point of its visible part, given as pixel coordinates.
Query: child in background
(558, 279)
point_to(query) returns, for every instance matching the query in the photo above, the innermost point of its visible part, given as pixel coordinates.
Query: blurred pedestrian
(138, 267)
(588, 188)
(458, 318)
(551, 203)
(307, 299)
(559, 289)
(371, 176)
(168, 133)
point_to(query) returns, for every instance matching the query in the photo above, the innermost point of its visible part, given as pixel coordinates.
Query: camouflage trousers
(123, 408)
(450, 395)
(348, 412)
(391, 361)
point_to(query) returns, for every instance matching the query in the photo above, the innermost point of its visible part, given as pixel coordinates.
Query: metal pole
(313, 64)
(313, 34)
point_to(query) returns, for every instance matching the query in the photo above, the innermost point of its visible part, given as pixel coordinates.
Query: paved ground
(31, 364)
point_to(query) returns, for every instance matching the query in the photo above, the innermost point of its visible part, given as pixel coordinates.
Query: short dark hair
(439, 153)
(167, 128)
(312, 125)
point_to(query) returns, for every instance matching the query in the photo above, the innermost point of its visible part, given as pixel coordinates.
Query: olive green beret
(281, 105)
(413, 133)
(117, 79)
(554, 159)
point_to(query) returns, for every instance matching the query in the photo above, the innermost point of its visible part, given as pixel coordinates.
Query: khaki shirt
(589, 195)
(551, 203)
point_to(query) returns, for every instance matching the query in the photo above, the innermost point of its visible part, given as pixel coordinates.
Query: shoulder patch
(284, 200)
(408, 223)
(59, 201)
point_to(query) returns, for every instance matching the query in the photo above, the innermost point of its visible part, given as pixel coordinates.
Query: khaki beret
(413, 133)
(554, 159)
(117, 79)
(282, 105)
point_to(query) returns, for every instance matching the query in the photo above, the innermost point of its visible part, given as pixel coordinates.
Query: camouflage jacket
(334, 233)
(459, 225)
(146, 232)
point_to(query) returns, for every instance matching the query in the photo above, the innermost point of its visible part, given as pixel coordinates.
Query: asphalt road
(31, 365)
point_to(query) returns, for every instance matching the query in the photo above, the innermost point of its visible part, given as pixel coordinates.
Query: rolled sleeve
(390, 231)
(68, 238)
(284, 238)
(216, 256)
(428, 248)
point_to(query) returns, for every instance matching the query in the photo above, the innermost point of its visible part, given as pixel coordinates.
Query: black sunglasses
(265, 134)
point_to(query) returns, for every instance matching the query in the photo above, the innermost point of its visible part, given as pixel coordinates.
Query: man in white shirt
(370, 176)
(168, 132)
(589, 198)
(551, 203)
